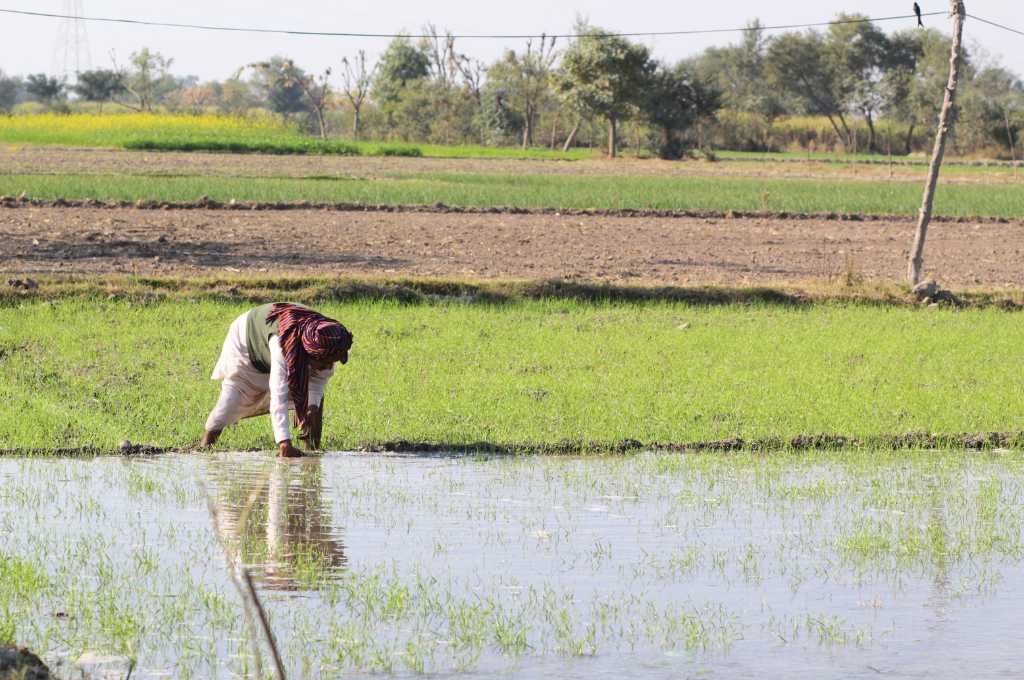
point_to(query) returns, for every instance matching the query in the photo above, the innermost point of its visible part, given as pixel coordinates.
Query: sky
(31, 45)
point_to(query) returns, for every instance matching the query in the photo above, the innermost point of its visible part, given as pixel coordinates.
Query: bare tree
(198, 98)
(473, 72)
(946, 117)
(440, 50)
(146, 80)
(318, 93)
(537, 63)
(444, 71)
(358, 80)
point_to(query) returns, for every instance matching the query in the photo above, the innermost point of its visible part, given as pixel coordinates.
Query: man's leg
(228, 411)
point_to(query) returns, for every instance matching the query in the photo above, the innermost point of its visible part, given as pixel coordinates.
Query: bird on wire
(917, 11)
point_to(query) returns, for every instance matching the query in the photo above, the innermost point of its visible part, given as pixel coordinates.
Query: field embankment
(97, 372)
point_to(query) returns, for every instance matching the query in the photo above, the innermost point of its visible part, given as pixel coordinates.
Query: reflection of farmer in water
(276, 357)
(277, 522)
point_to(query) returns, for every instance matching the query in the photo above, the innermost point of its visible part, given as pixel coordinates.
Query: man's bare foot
(286, 450)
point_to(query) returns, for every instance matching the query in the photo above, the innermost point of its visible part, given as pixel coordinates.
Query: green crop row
(225, 134)
(542, 191)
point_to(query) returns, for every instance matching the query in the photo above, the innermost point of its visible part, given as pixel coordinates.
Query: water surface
(815, 565)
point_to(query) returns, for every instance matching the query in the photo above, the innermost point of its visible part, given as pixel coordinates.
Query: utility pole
(1009, 137)
(72, 49)
(946, 116)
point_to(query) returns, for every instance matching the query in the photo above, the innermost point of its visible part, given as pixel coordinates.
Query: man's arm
(279, 402)
(313, 430)
(312, 433)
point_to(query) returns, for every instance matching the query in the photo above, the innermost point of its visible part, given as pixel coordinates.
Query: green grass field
(541, 191)
(94, 373)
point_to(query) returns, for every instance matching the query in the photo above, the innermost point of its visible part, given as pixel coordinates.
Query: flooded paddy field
(862, 564)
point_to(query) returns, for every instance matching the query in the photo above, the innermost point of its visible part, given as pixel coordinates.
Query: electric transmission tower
(71, 55)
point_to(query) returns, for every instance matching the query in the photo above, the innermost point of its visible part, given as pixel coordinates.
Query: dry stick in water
(250, 624)
(242, 579)
(945, 115)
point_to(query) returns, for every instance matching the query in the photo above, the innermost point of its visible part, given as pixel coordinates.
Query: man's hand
(286, 450)
(209, 438)
(314, 425)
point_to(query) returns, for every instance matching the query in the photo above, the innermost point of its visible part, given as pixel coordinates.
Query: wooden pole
(1009, 136)
(945, 119)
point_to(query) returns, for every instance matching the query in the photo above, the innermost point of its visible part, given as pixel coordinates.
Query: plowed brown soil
(687, 251)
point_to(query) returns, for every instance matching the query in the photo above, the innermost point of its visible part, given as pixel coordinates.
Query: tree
(297, 91)
(235, 96)
(99, 85)
(500, 122)
(674, 102)
(278, 79)
(473, 73)
(441, 56)
(45, 89)
(400, 66)
(898, 83)
(858, 53)
(453, 84)
(797, 65)
(196, 99)
(10, 91)
(604, 75)
(147, 80)
(997, 101)
(525, 82)
(739, 73)
(920, 69)
(318, 93)
(358, 81)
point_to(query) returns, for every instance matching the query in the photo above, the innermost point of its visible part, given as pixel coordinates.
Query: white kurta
(246, 392)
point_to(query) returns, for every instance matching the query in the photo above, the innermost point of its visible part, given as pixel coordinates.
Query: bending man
(276, 357)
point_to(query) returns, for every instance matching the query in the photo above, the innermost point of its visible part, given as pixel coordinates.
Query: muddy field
(58, 160)
(668, 250)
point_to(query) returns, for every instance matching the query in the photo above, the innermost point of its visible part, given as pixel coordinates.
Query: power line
(280, 31)
(992, 23)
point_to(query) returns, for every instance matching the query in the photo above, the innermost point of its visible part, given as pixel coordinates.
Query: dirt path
(52, 240)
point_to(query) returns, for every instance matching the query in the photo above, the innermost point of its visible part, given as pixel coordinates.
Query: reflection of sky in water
(667, 567)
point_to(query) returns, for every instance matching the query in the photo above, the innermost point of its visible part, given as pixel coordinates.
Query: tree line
(851, 87)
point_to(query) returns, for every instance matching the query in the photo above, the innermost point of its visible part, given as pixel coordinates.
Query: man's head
(326, 342)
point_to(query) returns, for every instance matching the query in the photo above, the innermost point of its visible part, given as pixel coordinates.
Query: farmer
(276, 357)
